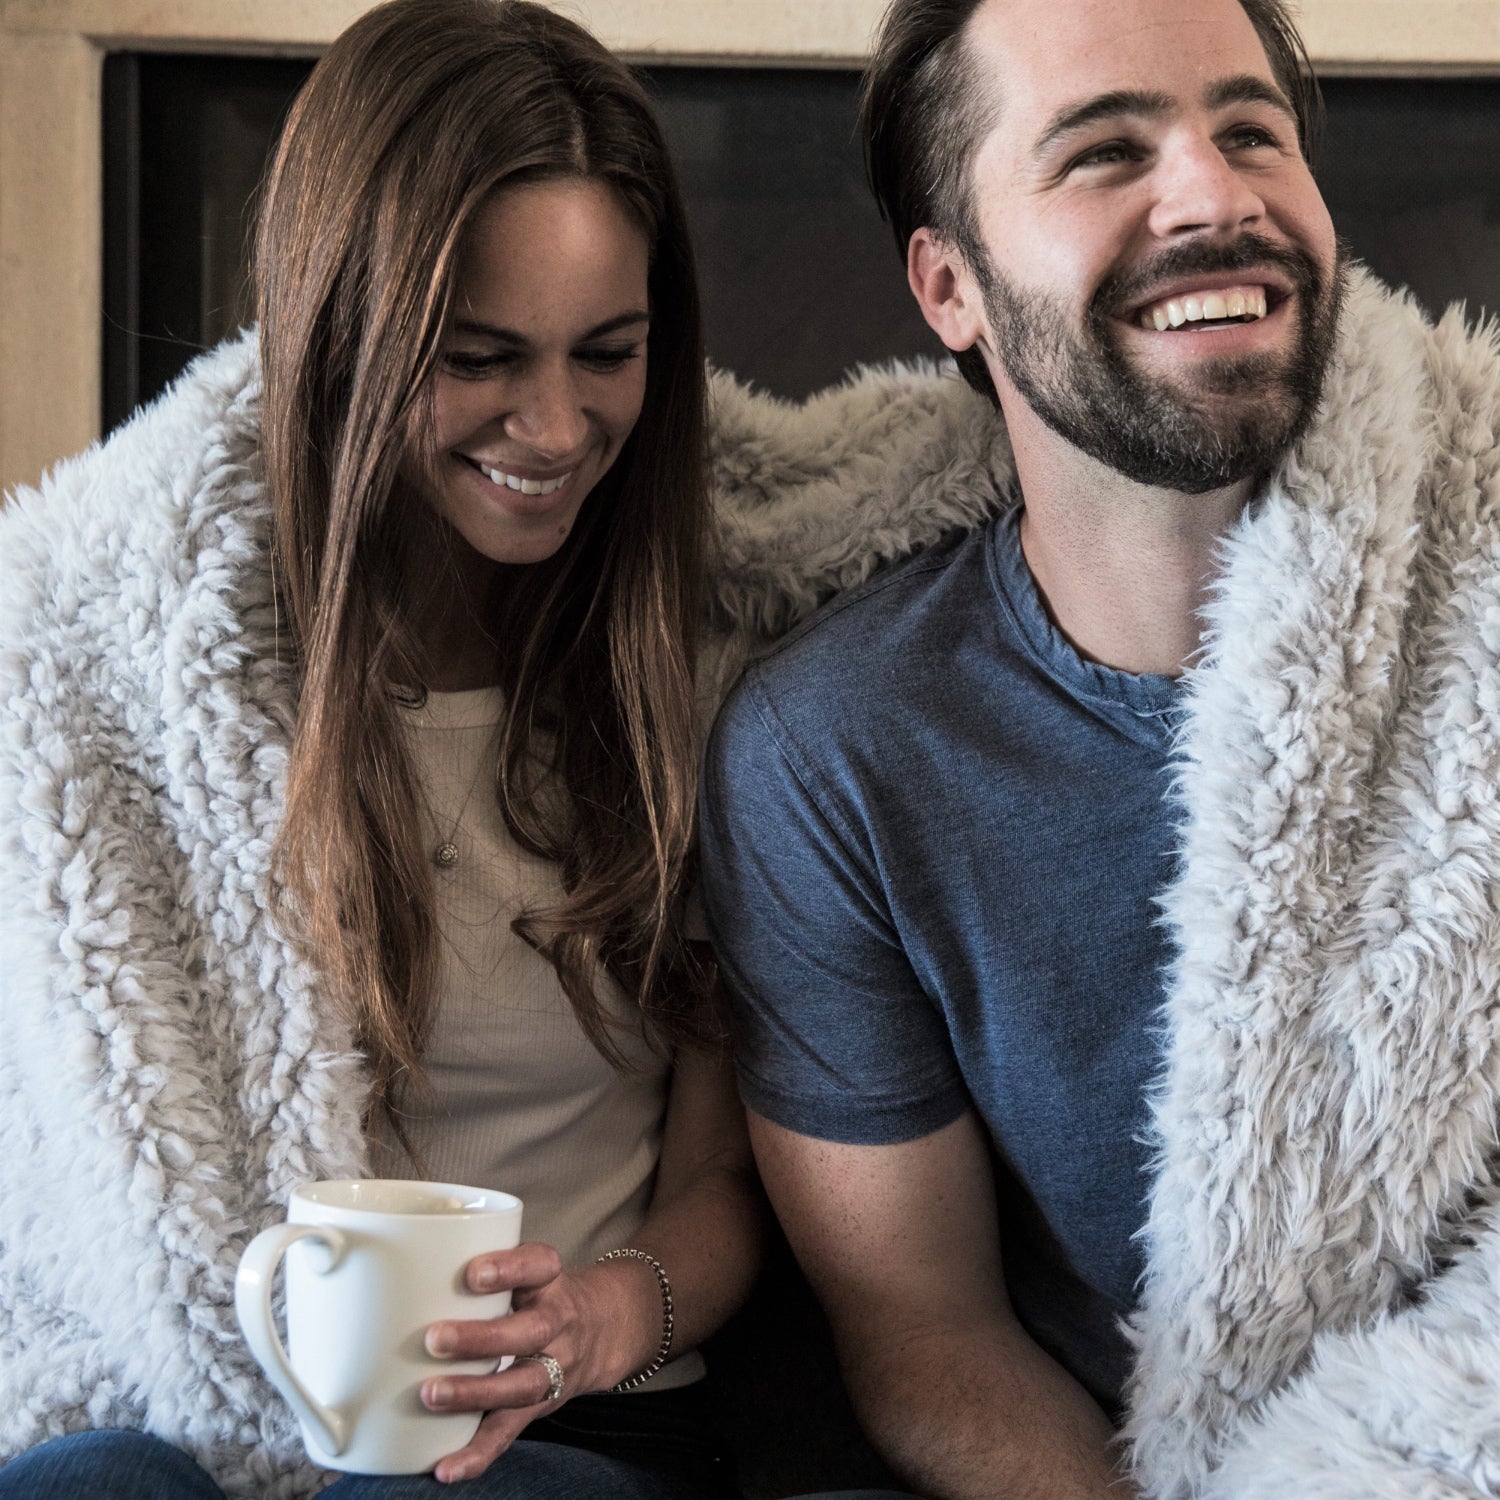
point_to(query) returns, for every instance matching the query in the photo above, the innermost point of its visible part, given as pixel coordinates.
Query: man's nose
(1199, 191)
(549, 417)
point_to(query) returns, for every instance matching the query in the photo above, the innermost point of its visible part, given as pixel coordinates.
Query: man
(1106, 893)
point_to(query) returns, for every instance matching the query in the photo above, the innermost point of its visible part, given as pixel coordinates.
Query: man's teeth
(1210, 307)
(526, 486)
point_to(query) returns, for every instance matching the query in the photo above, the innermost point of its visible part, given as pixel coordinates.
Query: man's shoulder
(864, 641)
(812, 498)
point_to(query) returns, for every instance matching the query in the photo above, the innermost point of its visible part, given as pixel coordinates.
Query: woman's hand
(602, 1323)
(593, 1321)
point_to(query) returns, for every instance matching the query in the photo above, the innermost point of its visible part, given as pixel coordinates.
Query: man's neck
(1123, 568)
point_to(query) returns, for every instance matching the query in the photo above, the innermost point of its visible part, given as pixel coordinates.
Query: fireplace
(800, 277)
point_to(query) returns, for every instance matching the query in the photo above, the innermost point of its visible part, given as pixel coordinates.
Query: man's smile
(1229, 311)
(1205, 301)
(1236, 304)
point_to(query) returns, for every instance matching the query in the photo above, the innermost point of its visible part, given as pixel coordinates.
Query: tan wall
(51, 54)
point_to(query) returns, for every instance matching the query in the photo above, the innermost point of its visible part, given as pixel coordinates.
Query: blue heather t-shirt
(933, 836)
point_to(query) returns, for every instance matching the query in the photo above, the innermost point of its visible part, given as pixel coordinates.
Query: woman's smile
(515, 479)
(525, 494)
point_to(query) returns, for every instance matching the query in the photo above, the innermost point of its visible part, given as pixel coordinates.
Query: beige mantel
(51, 56)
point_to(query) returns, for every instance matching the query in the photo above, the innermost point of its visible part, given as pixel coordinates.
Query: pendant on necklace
(445, 856)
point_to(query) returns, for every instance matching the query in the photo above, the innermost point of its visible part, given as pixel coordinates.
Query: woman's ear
(945, 290)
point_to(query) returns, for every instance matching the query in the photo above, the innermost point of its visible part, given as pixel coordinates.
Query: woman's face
(544, 365)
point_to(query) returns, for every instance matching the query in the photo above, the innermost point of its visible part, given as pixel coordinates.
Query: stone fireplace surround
(51, 59)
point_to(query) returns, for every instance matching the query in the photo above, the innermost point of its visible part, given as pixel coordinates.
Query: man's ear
(945, 291)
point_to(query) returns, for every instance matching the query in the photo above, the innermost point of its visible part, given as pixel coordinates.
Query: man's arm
(900, 1243)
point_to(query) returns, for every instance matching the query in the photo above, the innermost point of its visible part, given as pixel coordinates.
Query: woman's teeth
(526, 486)
(1249, 304)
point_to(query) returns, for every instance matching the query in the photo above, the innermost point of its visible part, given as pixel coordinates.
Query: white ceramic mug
(369, 1265)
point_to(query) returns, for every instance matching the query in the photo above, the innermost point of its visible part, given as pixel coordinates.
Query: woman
(364, 836)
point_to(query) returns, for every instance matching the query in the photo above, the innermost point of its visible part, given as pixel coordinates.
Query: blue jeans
(137, 1466)
(525, 1471)
(106, 1466)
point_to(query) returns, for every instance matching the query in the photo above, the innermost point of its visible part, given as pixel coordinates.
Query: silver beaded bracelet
(665, 1348)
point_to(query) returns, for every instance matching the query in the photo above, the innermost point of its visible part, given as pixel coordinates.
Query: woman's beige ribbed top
(521, 1100)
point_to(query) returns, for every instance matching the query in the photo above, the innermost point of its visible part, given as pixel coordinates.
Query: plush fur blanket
(1321, 1315)
(167, 1073)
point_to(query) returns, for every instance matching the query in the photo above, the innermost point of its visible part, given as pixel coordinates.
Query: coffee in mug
(370, 1264)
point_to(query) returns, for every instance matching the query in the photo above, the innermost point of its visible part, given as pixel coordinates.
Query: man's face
(1162, 281)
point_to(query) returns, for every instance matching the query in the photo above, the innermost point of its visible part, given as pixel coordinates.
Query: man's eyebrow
(1246, 88)
(1243, 88)
(508, 336)
(1102, 107)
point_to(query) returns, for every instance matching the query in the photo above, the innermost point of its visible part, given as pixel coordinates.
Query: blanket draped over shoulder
(1321, 1311)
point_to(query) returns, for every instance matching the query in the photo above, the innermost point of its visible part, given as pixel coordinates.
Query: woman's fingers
(521, 1332)
(524, 1385)
(530, 1265)
(496, 1433)
(543, 1313)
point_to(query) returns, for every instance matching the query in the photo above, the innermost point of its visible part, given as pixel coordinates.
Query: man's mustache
(1249, 252)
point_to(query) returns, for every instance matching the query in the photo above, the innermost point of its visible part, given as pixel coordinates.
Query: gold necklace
(447, 854)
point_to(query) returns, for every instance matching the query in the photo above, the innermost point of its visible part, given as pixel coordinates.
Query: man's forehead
(1040, 57)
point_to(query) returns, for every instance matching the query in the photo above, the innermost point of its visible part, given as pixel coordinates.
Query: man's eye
(1253, 137)
(610, 357)
(1107, 154)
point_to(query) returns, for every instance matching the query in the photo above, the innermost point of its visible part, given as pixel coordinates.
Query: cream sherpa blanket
(1321, 1316)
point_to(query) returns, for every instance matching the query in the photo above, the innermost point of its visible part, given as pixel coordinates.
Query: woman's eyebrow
(624, 320)
(509, 336)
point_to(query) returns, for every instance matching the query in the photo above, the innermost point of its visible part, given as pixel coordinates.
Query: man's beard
(1190, 439)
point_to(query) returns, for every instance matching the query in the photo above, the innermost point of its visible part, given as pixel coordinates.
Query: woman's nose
(548, 417)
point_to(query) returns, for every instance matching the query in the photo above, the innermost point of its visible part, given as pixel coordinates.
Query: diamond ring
(554, 1371)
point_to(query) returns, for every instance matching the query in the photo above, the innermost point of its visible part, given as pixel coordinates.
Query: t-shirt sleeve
(835, 1037)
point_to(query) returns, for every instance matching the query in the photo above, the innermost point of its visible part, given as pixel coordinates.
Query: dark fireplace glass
(1411, 174)
(186, 140)
(800, 277)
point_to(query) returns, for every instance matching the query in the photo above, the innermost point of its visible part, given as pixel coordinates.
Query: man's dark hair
(924, 108)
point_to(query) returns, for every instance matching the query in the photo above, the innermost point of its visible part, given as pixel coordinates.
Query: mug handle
(252, 1305)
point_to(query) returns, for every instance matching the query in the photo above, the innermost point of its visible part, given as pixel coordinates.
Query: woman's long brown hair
(415, 116)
